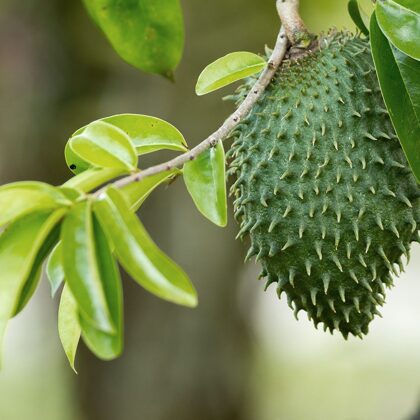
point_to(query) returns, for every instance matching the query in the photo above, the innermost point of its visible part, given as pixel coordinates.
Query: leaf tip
(74, 368)
(169, 75)
(199, 91)
(222, 219)
(191, 301)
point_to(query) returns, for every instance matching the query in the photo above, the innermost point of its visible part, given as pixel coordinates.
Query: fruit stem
(296, 30)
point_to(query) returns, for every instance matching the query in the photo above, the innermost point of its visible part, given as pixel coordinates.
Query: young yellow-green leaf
(400, 22)
(136, 192)
(72, 194)
(138, 254)
(228, 69)
(399, 94)
(86, 170)
(356, 15)
(55, 270)
(81, 268)
(92, 178)
(20, 244)
(21, 198)
(148, 34)
(68, 324)
(106, 346)
(205, 178)
(74, 162)
(104, 145)
(149, 134)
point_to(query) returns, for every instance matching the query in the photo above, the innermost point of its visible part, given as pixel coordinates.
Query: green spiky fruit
(323, 188)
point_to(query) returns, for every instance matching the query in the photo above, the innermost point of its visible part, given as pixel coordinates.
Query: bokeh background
(241, 355)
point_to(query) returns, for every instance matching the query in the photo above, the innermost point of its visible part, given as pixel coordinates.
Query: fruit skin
(323, 188)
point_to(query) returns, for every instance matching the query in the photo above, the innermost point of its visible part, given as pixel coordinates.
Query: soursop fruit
(322, 186)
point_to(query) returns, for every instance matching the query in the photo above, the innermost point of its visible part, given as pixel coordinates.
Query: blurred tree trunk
(178, 363)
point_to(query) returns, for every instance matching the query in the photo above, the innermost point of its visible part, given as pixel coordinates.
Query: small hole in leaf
(72, 166)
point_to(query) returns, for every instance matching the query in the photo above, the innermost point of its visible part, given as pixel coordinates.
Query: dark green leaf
(228, 69)
(136, 192)
(400, 95)
(68, 324)
(400, 22)
(354, 11)
(148, 34)
(55, 270)
(104, 145)
(205, 179)
(138, 254)
(21, 198)
(410, 73)
(81, 268)
(106, 346)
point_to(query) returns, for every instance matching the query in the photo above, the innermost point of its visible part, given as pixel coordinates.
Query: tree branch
(296, 30)
(292, 24)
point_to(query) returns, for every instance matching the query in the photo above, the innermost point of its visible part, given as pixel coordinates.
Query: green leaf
(148, 34)
(228, 69)
(92, 178)
(55, 270)
(148, 134)
(68, 324)
(104, 145)
(36, 271)
(136, 192)
(354, 11)
(106, 346)
(75, 163)
(20, 244)
(410, 73)
(72, 194)
(205, 178)
(21, 198)
(399, 81)
(400, 22)
(81, 268)
(138, 254)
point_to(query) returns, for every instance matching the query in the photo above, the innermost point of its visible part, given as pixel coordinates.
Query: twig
(288, 11)
(296, 30)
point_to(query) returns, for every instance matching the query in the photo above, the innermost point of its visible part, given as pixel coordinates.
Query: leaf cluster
(85, 236)
(87, 227)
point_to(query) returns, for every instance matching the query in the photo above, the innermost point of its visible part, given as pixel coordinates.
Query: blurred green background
(240, 355)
